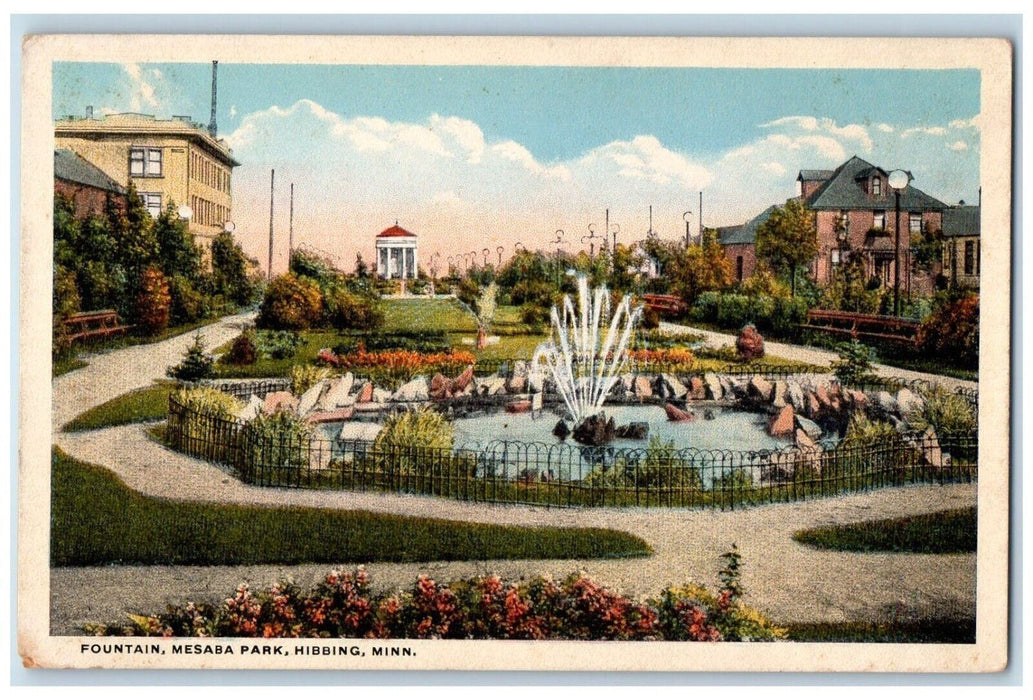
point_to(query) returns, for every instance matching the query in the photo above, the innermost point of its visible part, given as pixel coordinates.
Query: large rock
(778, 397)
(335, 416)
(908, 401)
(636, 430)
(359, 430)
(517, 384)
(490, 386)
(697, 389)
(338, 393)
(714, 389)
(440, 387)
(932, 453)
(677, 415)
(381, 395)
(595, 430)
(279, 401)
(760, 388)
(794, 392)
(365, 393)
(643, 389)
(464, 380)
(518, 406)
(561, 430)
(884, 403)
(809, 427)
(782, 424)
(307, 401)
(251, 409)
(413, 391)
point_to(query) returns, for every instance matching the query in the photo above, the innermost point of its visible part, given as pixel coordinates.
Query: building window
(145, 162)
(738, 267)
(879, 220)
(152, 202)
(915, 222)
(970, 257)
(876, 186)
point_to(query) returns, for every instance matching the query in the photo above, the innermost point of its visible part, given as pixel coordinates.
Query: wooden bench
(664, 303)
(857, 326)
(94, 324)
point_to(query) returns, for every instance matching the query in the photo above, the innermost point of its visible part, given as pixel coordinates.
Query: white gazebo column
(405, 260)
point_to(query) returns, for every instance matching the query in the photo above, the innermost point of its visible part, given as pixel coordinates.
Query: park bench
(664, 303)
(94, 324)
(862, 326)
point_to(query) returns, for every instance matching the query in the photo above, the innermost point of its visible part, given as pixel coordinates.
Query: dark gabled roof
(842, 191)
(811, 175)
(71, 167)
(744, 233)
(961, 221)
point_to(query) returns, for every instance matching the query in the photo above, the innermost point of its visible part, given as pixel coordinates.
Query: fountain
(583, 360)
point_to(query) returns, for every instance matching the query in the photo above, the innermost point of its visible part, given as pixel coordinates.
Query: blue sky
(496, 154)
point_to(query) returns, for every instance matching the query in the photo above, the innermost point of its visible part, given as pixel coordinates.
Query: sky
(476, 157)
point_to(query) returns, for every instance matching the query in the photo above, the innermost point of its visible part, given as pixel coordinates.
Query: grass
(96, 519)
(65, 365)
(427, 314)
(927, 631)
(945, 532)
(149, 403)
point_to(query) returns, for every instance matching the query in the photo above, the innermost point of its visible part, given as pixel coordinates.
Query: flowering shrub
(750, 344)
(952, 331)
(304, 377)
(392, 366)
(244, 350)
(153, 301)
(577, 607)
(672, 359)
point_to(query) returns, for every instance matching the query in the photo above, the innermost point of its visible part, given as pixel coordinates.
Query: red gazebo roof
(395, 231)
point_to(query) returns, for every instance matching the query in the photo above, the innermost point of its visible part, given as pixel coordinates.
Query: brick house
(855, 212)
(84, 184)
(961, 229)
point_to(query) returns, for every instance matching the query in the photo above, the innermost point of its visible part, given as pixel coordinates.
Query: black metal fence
(569, 474)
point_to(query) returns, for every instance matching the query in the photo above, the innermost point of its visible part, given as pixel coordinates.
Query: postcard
(515, 353)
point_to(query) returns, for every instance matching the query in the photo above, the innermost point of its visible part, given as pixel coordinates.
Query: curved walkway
(785, 579)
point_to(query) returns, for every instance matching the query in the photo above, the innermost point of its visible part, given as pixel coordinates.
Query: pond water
(715, 428)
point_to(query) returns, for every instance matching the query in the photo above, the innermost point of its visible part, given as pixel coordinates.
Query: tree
(177, 252)
(229, 269)
(361, 268)
(698, 268)
(788, 239)
(133, 231)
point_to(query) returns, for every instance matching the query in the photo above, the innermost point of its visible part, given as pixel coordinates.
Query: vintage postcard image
(515, 353)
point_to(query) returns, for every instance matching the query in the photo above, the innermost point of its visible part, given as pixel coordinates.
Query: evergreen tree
(177, 251)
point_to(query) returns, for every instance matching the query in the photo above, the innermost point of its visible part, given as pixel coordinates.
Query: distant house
(396, 253)
(855, 214)
(961, 229)
(84, 184)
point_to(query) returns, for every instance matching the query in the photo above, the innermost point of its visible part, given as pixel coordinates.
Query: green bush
(344, 310)
(945, 411)
(661, 469)
(196, 364)
(291, 303)
(244, 350)
(951, 331)
(277, 445)
(278, 345)
(410, 441)
(187, 304)
(855, 364)
(304, 377)
(201, 406)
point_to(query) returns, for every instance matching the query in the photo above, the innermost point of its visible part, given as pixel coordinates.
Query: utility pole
(272, 183)
(290, 239)
(212, 129)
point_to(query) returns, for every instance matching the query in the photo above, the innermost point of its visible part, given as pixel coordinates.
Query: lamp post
(898, 181)
(688, 236)
(500, 249)
(559, 243)
(590, 239)
(486, 252)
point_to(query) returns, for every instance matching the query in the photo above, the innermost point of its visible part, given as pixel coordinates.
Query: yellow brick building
(167, 160)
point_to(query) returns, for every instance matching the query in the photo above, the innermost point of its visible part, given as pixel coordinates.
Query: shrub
(196, 364)
(750, 344)
(661, 469)
(278, 345)
(411, 441)
(347, 311)
(278, 445)
(244, 350)
(291, 303)
(669, 359)
(650, 318)
(787, 314)
(187, 304)
(945, 411)
(153, 302)
(855, 363)
(951, 331)
(202, 405)
(486, 607)
(534, 314)
(66, 293)
(304, 377)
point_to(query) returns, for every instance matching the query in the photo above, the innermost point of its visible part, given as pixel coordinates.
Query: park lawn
(447, 315)
(65, 365)
(944, 532)
(97, 520)
(311, 343)
(148, 403)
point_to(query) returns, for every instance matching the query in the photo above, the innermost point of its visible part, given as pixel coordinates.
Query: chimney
(89, 111)
(211, 125)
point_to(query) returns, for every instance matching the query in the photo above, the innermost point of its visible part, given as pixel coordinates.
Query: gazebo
(396, 253)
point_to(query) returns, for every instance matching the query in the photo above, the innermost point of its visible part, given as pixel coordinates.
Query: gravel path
(817, 356)
(785, 579)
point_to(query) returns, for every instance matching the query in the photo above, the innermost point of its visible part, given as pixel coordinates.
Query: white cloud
(233, 111)
(958, 146)
(885, 128)
(141, 89)
(927, 130)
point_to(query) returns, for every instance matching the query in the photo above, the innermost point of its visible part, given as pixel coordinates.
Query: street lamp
(898, 181)
(590, 239)
(558, 242)
(688, 236)
(615, 229)
(500, 250)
